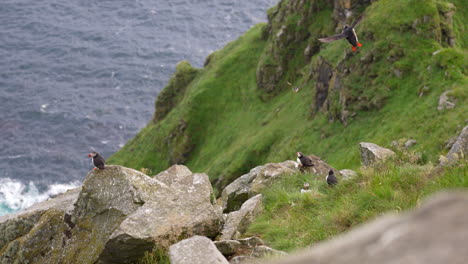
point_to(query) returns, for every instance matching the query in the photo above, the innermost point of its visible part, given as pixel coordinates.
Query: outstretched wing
(357, 21)
(332, 38)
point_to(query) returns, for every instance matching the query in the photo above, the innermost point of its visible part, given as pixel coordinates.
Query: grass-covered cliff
(239, 110)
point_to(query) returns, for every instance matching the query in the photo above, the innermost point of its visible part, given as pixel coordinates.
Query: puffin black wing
(357, 21)
(332, 38)
(306, 161)
(99, 162)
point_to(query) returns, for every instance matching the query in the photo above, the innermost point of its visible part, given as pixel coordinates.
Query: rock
(165, 218)
(243, 260)
(240, 190)
(435, 233)
(348, 174)
(445, 102)
(20, 231)
(372, 153)
(410, 143)
(264, 251)
(238, 221)
(195, 250)
(459, 149)
(228, 247)
(116, 216)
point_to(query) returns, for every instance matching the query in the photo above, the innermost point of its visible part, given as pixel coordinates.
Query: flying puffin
(98, 160)
(348, 33)
(331, 179)
(304, 161)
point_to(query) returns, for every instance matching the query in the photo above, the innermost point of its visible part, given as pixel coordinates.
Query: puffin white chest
(299, 161)
(327, 178)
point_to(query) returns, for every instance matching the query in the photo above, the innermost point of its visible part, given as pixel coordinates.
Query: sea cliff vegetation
(240, 111)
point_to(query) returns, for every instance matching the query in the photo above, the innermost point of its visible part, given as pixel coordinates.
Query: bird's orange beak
(89, 155)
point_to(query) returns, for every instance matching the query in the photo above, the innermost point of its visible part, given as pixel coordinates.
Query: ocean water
(81, 76)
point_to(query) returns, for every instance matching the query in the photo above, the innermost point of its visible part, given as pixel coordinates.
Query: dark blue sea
(78, 76)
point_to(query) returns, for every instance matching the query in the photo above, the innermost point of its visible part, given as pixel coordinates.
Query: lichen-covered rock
(238, 221)
(196, 250)
(37, 231)
(459, 149)
(116, 215)
(248, 185)
(166, 217)
(372, 153)
(348, 174)
(435, 233)
(445, 102)
(228, 247)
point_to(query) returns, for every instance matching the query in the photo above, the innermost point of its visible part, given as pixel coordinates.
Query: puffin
(98, 160)
(348, 33)
(304, 161)
(331, 178)
(305, 188)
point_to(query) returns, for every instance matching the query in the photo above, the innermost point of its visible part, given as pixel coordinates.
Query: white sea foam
(15, 196)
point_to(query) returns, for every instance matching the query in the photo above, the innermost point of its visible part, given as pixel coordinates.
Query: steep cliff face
(239, 111)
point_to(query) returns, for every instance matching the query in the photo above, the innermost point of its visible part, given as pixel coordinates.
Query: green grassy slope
(292, 220)
(222, 126)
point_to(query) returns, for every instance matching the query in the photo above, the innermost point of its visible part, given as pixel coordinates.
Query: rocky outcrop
(196, 250)
(248, 185)
(246, 250)
(372, 153)
(401, 239)
(119, 213)
(38, 228)
(459, 149)
(347, 174)
(238, 221)
(445, 102)
(252, 183)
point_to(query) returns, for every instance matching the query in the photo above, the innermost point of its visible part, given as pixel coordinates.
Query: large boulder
(24, 233)
(250, 184)
(459, 149)
(166, 217)
(237, 222)
(118, 214)
(196, 250)
(372, 153)
(435, 233)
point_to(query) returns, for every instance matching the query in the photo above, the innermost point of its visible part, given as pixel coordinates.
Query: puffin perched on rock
(348, 33)
(304, 161)
(331, 178)
(98, 160)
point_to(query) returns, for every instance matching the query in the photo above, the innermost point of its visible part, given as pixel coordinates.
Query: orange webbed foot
(353, 48)
(359, 44)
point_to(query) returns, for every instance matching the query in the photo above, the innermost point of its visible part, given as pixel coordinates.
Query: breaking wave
(16, 196)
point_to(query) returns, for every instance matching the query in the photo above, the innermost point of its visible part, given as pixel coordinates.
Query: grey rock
(251, 241)
(238, 221)
(320, 168)
(16, 229)
(435, 233)
(196, 250)
(372, 153)
(246, 186)
(115, 216)
(410, 143)
(348, 174)
(459, 149)
(445, 102)
(263, 251)
(228, 247)
(243, 260)
(186, 209)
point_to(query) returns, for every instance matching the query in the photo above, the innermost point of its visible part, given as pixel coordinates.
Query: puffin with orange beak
(348, 33)
(98, 160)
